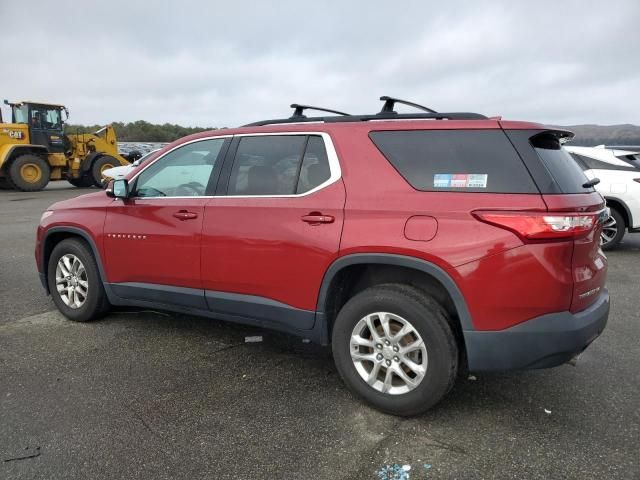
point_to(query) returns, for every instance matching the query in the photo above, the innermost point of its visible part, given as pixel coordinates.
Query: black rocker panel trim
(254, 309)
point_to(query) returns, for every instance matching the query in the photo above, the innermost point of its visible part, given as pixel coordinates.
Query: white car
(116, 173)
(619, 174)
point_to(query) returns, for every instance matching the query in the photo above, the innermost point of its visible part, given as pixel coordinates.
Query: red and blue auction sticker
(460, 180)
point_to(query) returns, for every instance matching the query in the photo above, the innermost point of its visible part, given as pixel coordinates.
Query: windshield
(20, 114)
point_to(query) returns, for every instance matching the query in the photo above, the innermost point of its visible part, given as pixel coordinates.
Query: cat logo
(16, 134)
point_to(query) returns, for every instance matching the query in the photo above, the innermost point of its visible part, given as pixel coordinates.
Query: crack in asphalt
(25, 457)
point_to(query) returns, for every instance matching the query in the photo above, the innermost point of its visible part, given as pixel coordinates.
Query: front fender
(44, 250)
(7, 151)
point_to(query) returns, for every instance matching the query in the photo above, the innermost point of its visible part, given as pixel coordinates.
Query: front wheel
(74, 281)
(100, 166)
(613, 230)
(84, 181)
(5, 185)
(393, 346)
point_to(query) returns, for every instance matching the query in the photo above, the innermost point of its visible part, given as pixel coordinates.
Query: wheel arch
(10, 152)
(55, 235)
(349, 274)
(622, 208)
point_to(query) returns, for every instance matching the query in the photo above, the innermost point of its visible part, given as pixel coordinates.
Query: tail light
(531, 226)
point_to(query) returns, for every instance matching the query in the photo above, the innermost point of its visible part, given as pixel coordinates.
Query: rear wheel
(99, 166)
(613, 230)
(394, 347)
(74, 281)
(29, 173)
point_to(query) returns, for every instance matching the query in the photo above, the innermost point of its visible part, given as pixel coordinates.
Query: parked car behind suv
(619, 174)
(417, 245)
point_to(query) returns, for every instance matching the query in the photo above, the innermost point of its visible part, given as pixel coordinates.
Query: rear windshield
(455, 160)
(560, 164)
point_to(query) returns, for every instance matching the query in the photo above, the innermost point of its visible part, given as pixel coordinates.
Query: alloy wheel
(388, 353)
(609, 230)
(71, 281)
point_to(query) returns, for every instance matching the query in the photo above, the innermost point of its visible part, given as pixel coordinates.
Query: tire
(5, 184)
(429, 321)
(613, 230)
(99, 165)
(83, 182)
(95, 303)
(29, 173)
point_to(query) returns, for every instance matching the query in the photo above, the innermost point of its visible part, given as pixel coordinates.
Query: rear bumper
(542, 342)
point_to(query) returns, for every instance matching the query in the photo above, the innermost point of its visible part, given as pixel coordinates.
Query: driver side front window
(183, 172)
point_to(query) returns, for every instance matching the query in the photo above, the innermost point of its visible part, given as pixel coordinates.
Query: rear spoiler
(563, 136)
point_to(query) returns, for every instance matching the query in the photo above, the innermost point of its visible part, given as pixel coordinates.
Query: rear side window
(279, 165)
(560, 164)
(315, 166)
(455, 160)
(267, 165)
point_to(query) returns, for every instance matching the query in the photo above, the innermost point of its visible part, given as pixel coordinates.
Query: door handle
(315, 218)
(185, 215)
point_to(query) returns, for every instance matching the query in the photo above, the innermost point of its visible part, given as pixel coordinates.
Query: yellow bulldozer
(35, 149)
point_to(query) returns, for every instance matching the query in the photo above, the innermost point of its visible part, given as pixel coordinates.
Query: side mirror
(118, 188)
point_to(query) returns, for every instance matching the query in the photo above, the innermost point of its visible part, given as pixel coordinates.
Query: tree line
(141, 131)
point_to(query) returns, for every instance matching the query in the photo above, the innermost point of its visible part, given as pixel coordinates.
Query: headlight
(45, 214)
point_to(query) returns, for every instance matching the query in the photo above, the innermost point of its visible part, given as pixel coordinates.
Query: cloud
(223, 64)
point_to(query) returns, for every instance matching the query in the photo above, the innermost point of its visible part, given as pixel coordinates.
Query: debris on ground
(548, 412)
(306, 340)
(393, 472)
(254, 339)
(473, 378)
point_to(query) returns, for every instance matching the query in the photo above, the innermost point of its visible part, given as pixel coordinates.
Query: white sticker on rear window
(460, 180)
(477, 180)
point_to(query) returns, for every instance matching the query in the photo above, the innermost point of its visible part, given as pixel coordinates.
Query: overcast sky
(208, 63)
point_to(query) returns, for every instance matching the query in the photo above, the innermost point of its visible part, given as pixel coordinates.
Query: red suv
(418, 245)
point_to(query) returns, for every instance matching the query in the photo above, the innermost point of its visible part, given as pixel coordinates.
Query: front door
(152, 240)
(269, 240)
(45, 125)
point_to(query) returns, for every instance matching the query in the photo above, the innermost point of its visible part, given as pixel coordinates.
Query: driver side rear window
(276, 165)
(183, 172)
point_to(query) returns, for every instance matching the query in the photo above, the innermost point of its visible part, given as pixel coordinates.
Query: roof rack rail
(299, 110)
(387, 113)
(389, 103)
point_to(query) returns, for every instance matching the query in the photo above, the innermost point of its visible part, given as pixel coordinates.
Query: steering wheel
(191, 189)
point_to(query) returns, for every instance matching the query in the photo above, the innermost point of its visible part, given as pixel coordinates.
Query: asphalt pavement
(143, 394)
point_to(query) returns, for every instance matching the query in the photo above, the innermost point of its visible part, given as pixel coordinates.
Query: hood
(90, 200)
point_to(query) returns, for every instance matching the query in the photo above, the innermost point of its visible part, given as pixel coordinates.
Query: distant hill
(591, 135)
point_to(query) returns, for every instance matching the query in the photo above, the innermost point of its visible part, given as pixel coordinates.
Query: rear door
(273, 227)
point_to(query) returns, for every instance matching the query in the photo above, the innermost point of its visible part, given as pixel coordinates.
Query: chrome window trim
(332, 157)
